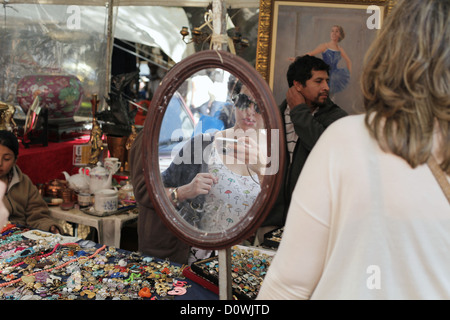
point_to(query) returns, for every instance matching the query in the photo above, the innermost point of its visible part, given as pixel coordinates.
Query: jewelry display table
(37, 265)
(108, 228)
(249, 266)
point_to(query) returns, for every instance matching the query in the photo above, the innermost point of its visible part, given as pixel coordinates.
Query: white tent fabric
(150, 25)
(37, 36)
(154, 26)
(151, 22)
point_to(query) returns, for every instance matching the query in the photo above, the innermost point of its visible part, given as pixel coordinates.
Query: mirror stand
(172, 92)
(225, 292)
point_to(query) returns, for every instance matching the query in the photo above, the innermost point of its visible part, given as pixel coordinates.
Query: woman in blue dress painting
(332, 53)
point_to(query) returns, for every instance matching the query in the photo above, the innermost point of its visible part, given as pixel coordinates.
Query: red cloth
(43, 164)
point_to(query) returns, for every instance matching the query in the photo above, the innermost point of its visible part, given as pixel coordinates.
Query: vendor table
(108, 228)
(38, 265)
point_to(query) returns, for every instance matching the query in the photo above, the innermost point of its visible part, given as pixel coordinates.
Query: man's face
(316, 89)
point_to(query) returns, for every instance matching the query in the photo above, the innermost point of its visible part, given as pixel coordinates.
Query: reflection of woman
(332, 53)
(215, 193)
(22, 199)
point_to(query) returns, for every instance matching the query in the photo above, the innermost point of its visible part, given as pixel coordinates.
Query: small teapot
(126, 192)
(99, 178)
(78, 182)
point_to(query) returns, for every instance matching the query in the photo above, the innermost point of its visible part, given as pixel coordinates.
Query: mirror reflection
(212, 150)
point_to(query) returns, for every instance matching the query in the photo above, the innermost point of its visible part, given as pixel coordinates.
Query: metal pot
(55, 187)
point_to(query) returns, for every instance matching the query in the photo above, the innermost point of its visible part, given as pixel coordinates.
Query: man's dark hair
(300, 69)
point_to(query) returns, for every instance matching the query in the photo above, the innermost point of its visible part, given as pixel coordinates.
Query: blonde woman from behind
(368, 219)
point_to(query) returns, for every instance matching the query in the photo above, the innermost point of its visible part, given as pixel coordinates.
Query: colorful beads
(145, 293)
(43, 270)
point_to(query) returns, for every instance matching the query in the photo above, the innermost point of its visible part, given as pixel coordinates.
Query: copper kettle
(55, 187)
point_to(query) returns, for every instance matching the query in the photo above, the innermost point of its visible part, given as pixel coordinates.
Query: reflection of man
(306, 112)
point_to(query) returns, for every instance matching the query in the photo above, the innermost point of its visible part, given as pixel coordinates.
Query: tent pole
(109, 45)
(225, 288)
(219, 25)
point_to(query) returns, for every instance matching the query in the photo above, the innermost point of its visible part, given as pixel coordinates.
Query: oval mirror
(213, 159)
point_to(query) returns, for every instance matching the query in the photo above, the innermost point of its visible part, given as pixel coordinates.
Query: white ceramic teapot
(78, 182)
(99, 178)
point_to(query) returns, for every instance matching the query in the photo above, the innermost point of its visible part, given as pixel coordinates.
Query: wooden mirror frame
(270, 187)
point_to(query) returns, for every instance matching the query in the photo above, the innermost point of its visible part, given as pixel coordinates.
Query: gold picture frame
(279, 25)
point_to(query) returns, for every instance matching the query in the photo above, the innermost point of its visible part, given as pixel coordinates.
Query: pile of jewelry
(248, 268)
(51, 270)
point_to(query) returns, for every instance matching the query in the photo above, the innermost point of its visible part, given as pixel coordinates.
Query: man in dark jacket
(306, 113)
(154, 238)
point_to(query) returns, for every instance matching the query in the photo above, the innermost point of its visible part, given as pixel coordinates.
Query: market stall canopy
(153, 26)
(42, 36)
(156, 25)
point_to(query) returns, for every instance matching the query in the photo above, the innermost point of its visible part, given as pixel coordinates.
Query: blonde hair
(406, 81)
(341, 32)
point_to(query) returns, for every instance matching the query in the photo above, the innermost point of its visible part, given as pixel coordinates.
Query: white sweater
(362, 224)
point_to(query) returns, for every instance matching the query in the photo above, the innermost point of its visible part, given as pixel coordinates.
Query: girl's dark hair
(300, 69)
(9, 140)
